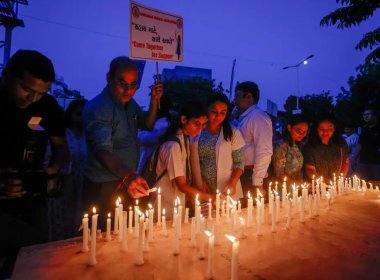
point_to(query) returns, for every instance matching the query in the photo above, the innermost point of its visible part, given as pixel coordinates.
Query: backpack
(148, 172)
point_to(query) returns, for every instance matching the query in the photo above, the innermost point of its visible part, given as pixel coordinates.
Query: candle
(139, 255)
(258, 217)
(198, 215)
(233, 213)
(277, 206)
(120, 215)
(283, 195)
(224, 208)
(210, 265)
(289, 220)
(312, 185)
(94, 222)
(186, 221)
(215, 233)
(176, 237)
(242, 228)
(310, 206)
(262, 209)
(302, 209)
(146, 235)
(164, 231)
(159, 207)
(192, 233)
(239, 206)
(116, 220)
(123, 232)
(108, 232)
(235, 256)
(274, 229)
(150, 224)
(209, 210)
(130, 220)
(217, 218)
(249, 209)
(85, 233)
(202, 240)
(136, 232)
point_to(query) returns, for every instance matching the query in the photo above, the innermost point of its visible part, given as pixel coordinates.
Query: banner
(155, 35)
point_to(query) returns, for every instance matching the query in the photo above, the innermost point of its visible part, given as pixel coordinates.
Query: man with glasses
(30, 120)
(112, 120)
(256, 127)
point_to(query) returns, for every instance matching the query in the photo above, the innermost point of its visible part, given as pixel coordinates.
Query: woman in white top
(217, 152)
(174, 158)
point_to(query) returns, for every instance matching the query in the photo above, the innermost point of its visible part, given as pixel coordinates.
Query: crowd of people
(55, 165)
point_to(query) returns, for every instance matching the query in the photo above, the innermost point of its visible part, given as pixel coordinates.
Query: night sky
(81, 37)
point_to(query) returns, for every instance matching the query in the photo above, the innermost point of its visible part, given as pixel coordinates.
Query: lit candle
(249, 209)
(130, 220)
(198, 215)
(136, 232)
(146, 234)
(215, 233)
(164, 230)
(210, 265)
(123, 232)
(310, 206)
(262, 209)
(202, 240)
(108, 232)
(94, 223)
(312, 185)
(233, 220)
(258, 217)
(277, 206)
(224, 208)
(239, 206)
(209, 210)
(159, 207)
(176, 237)
(120, 221)
(235, 256)
(139, 255)
(283, 195)
(85, 233)
(116, 220)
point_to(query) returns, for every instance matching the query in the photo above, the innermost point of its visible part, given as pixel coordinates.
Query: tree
(62, 90)
(353, 13)
(181, 91)
(312, 105)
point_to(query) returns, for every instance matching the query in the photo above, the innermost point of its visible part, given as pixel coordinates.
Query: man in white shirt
(256, 128)
(352, 139)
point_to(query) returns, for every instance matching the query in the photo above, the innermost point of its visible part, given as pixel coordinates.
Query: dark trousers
(24, 222)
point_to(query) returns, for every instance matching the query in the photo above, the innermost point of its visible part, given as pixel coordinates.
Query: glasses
(123, 84)
(300, 132)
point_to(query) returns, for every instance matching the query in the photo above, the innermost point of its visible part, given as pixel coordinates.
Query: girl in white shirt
(174, 157)
(217, 152)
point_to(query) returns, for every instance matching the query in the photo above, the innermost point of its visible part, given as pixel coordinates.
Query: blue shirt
(111, 126)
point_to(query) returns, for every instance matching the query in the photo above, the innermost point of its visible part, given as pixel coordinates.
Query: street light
(305, 61)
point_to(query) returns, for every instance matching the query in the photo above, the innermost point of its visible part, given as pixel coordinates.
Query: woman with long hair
(174, 157)
(218, 157)
(326, 153)
(287, 157)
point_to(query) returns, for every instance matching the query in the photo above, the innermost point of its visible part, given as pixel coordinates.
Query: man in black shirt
(368, 149)
(30, 118)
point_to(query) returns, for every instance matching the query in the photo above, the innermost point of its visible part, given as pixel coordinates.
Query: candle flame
(137, 202)
(270, 184)
(209, 200)
(258, 202)
(209, 234)
(228, 191)
(117, 203)
(259, 193)
(150, 206)
(109, 215)
(159, 190)
(163, 211)
(86, 215)
(94, 210)
(241, 220)
(139, 212)
(231, 238)
(249, 194)
(119, 199)
(285, 178)
(130, 208)
(275, 192)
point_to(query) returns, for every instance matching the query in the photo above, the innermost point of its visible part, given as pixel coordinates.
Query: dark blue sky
(81, 37)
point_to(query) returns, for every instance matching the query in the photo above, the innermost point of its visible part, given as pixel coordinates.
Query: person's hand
(138, 188)
(229, 187)
(157, 91)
